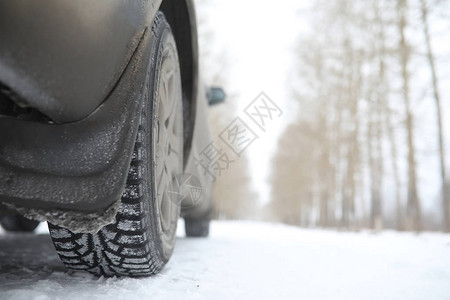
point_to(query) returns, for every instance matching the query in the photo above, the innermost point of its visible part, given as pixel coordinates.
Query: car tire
(142, 239)
(196, 228)
(18, 223)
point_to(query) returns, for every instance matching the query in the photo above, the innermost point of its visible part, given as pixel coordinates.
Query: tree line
(351, 159)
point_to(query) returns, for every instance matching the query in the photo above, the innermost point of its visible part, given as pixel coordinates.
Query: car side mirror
(215, 95)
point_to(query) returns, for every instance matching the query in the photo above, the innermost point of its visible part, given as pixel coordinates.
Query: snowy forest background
(365, 140)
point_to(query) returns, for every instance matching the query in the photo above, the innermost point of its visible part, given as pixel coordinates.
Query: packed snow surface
(244, 260)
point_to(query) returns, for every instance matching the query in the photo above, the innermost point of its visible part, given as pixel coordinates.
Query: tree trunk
(394, 157)
(375, 199)
(413, 205)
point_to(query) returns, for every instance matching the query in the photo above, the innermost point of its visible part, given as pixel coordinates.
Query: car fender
(63, 57)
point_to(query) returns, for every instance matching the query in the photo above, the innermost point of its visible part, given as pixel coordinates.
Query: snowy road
(248, 261)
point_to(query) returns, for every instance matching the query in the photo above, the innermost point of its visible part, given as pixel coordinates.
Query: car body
(71, 113)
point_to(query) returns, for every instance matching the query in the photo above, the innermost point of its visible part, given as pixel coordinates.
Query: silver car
(102, 116)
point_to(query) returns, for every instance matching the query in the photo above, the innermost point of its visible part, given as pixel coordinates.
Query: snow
(244, 260)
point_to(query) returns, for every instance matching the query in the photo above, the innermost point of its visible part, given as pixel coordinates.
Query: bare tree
(353, 59)
(413, 204)
(437, 99)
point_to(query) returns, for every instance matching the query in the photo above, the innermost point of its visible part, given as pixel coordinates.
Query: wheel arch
(182, 19)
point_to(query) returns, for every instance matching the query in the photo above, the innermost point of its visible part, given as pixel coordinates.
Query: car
(102, 119)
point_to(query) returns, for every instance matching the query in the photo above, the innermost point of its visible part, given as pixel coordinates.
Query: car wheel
(17, 223)
(142, 239)
(197, 227)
